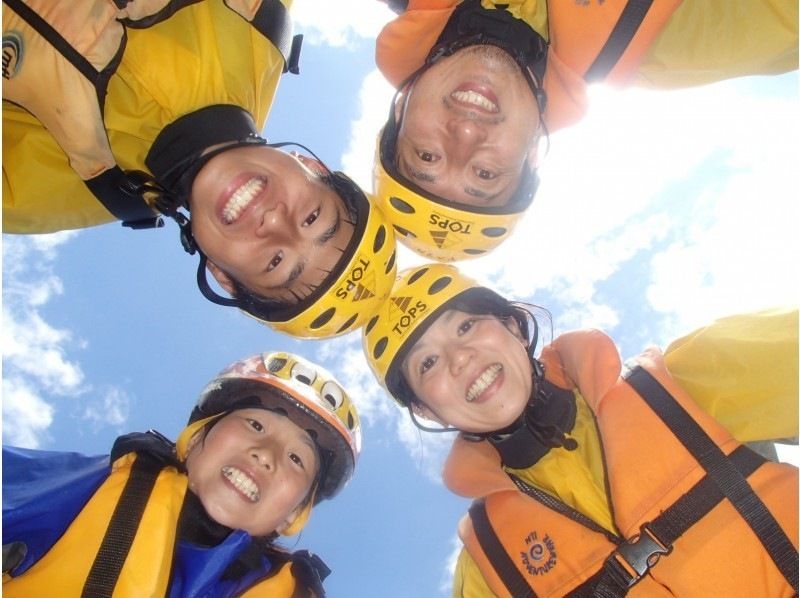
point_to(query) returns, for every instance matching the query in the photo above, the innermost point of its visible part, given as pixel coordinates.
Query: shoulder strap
(628, 24)
(122, 529)
(492, 546)
(721, 470)
(273, 21)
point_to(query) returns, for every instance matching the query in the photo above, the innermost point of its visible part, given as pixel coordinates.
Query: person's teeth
(484, 380)
(476, 99)
(242, 482)
(241, 198)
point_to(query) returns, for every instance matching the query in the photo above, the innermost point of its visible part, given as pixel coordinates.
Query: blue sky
(659, 212)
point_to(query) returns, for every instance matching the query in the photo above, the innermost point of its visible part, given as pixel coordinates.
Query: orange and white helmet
(306, 393)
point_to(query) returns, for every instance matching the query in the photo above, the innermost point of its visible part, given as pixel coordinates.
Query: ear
(221, 277)
(513, 328)
(312, 164)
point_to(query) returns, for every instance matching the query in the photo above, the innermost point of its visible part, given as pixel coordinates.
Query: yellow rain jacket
(677, 44)
(742, 370)
(204, 54)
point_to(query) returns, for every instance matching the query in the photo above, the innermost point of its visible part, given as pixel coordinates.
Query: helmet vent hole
(323, 318)
(380, 347)
(401, 206)
(494, 231)
(371, 324)
(390, 265)
(404, 233)
(302, 378)
(380, 239)
(276, 364)
(439, 285)
(347, 324)
(350, 421)
(416, 275)
(474, 251)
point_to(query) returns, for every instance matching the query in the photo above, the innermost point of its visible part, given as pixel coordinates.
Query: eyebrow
(430, 178)
(326, 236)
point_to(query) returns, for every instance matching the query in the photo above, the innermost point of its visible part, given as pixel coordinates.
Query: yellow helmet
(418, 297)
(435, 227)
(309, 396)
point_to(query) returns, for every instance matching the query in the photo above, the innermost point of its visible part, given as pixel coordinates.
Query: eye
(426, 156)
(486, 175)
(255, 424)
(311, 218)
(275, 262)
(426, 364)
(297, 459)
(465, 326)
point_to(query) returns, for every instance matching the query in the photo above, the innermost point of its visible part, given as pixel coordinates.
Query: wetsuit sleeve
(743, 370)
(467, 579)
(718, 39)
(43, 492)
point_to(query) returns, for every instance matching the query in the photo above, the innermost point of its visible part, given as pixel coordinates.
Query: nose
(459, 357)
(264, 456)
(466, 131)
(274, 220)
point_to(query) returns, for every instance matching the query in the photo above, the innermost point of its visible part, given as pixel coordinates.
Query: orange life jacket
(528, 543)
(582, 36)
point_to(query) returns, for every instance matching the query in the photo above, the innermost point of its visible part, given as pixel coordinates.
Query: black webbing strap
(614, 580)
(121, 530)
(628, 24)
(727, 478)
(119, 195)
(492, 547)
(273, 21)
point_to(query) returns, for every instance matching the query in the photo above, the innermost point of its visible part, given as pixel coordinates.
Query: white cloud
(111, 410)
(374, 99)
(38, 367)
(340, 23)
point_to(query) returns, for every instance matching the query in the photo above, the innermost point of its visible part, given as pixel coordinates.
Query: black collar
(549, 415)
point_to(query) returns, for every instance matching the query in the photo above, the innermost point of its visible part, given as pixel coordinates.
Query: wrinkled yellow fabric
(202, 55)
(729, 38)
(742, 369)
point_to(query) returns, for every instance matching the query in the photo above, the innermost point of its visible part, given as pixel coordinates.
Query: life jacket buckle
(640, 553)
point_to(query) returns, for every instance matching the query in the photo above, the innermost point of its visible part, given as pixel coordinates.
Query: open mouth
(242, 482)
(241, 198)
(483, 382)
(481, 100)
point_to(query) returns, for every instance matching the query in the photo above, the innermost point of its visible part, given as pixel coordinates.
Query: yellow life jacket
(88, 86)
(79, 561)
(524, 541)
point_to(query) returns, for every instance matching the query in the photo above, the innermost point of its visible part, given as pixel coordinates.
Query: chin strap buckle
(632, 559)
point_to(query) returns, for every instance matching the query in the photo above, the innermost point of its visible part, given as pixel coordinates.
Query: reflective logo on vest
(539, 555)
(13, 50)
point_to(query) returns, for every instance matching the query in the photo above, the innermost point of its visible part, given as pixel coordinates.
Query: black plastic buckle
(144, 223)
(640, 553)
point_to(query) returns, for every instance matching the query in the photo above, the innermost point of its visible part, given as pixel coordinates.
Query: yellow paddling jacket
(97, 551)
(88, 86)
(571, 521)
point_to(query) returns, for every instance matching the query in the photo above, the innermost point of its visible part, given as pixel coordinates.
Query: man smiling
(183, 92)
(480, 83)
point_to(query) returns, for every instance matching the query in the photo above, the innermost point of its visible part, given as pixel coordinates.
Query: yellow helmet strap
(184, 442)
(303, 514)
